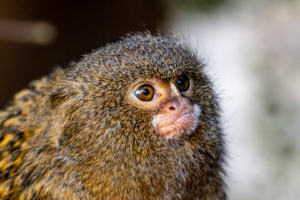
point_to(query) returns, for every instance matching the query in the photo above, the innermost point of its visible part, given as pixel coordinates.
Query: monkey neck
(150, 170)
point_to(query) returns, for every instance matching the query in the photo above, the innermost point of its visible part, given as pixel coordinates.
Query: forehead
(138, 56)
(147, 56)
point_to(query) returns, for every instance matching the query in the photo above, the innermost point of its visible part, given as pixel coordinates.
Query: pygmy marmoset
(137, 119)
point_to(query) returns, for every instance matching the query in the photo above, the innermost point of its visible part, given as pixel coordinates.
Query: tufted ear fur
(57, 98)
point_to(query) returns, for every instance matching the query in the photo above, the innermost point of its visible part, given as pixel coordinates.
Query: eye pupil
(146, 92)
(180, 82)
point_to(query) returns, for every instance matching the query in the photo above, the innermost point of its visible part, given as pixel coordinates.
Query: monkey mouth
(178, 127)
(178, 124)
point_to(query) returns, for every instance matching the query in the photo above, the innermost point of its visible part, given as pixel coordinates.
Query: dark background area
(79, 26)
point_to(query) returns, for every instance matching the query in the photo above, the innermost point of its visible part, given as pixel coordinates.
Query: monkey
(135, 119)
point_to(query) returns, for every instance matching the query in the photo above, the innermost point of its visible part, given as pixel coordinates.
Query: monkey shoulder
(16, 130)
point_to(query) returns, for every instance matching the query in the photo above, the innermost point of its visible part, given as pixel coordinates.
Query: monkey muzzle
(177, 119)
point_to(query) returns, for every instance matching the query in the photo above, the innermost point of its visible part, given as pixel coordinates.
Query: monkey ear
(56, 98)
(60, 96)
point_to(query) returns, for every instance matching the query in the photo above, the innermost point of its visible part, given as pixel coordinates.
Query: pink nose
(172, 106)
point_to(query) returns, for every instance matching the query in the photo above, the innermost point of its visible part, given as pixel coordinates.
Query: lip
(183, 117)
(178, 122)
(177, 119)
(178, 127)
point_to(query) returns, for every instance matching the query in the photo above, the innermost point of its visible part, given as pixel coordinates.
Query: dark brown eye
(145, 93)
(182, 83)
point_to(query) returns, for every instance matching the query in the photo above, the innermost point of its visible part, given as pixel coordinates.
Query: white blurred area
(252, 49)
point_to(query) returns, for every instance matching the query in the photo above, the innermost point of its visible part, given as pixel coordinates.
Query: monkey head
(113, 118)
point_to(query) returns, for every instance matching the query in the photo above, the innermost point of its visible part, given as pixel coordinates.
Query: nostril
(171, 108)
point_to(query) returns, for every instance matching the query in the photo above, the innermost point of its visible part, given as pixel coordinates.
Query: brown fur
(73, 136)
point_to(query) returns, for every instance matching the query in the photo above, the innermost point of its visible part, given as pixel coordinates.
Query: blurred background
(252, 51)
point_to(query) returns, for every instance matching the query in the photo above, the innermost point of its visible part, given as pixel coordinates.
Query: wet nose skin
(172, 105)
(176, 104)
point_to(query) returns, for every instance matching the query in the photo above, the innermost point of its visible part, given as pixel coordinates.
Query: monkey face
(177, 116)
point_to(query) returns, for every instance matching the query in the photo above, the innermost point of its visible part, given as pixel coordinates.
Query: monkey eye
(145, 93)
(182, 83)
